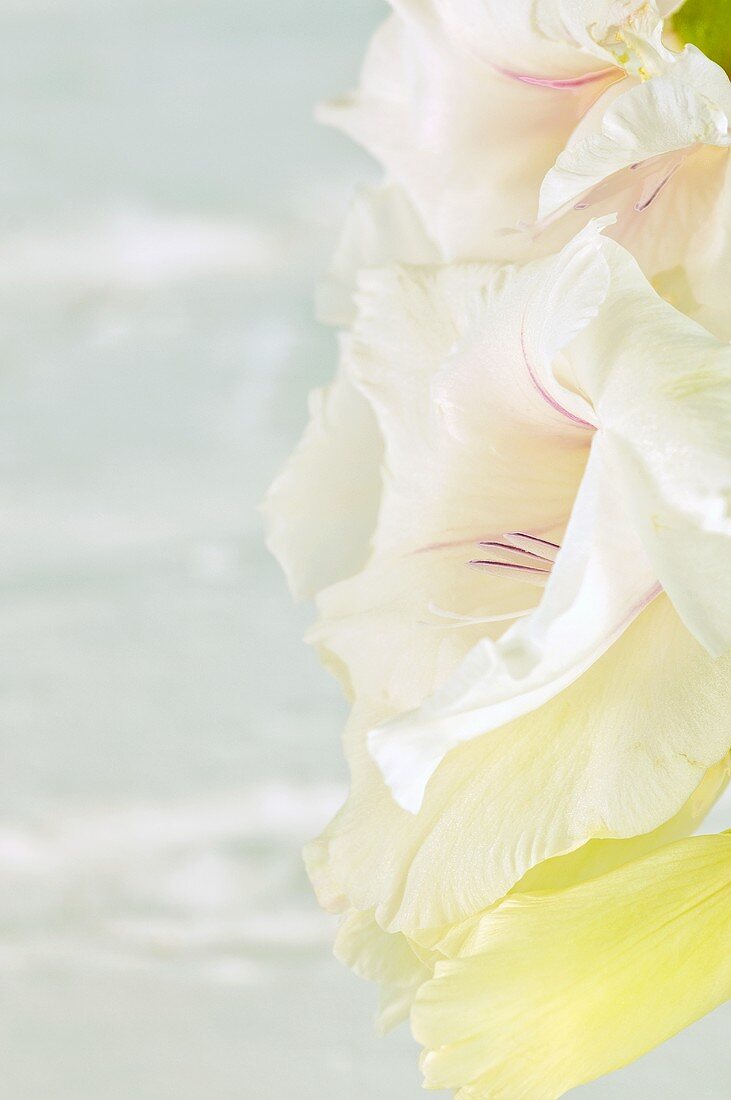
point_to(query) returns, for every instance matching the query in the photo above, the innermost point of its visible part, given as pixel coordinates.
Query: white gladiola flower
(508, 124)
(513, 506)
(678, 111)
(555, 447)
(651, 512)
(657, 155)
(382, 228)
(467, 106)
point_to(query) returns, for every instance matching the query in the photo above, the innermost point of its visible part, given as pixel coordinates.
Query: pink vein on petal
(567, 83)
(642, 603)
(545, 393)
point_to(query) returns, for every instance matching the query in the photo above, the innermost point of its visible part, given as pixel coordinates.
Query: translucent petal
(617, 754)
(552, 990)
(321, 510)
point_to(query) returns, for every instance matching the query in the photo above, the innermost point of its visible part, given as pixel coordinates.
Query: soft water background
(167, 742)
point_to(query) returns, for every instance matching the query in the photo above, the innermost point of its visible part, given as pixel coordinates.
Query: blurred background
(167, 742)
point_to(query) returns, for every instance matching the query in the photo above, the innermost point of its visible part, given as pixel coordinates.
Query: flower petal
(468, 143)
(528, 38)
(481, 438)
(667, 431)
(401, 963)
(700, 287)
(653, 506)
(686, 105)
(598, 761)
(600, 582)
(389, 960)
(552, 990)
(627, 33)
(399, 627)
(321, 510)
(382, 228)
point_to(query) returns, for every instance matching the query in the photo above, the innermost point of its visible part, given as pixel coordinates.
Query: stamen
(476, 620)
(511, 554)
(520, 556)
(528, 573)
(648, 199)
(540, 548)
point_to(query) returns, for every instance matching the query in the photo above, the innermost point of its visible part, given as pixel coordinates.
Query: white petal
(481, 436)
(382, 228)
(688, 104)
(321, 510)
(601, 581)
(653, 507)
(615, 755)
(662, 389)
(571, 41)
(700, 287)
(387, 959)
(627, 33)
(523, 37)
(387, 632)
(468, 144)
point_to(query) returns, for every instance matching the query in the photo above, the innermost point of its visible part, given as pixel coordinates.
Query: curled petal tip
(405, 770)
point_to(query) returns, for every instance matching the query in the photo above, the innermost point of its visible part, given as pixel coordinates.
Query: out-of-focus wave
(214, 884)
(137, 248)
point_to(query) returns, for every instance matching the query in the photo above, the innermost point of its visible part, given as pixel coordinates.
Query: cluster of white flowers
(513, 506)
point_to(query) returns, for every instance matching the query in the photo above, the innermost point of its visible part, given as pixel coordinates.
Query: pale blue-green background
(167, 742)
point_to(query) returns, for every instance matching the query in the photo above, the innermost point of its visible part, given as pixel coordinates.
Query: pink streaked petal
(601, 582)
(628, 190)
(545, 394)
(568, 84)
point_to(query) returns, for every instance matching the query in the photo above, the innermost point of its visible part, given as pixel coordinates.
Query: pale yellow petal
(555, 989)
(616, 754)
(401, 964)
(387, 959)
